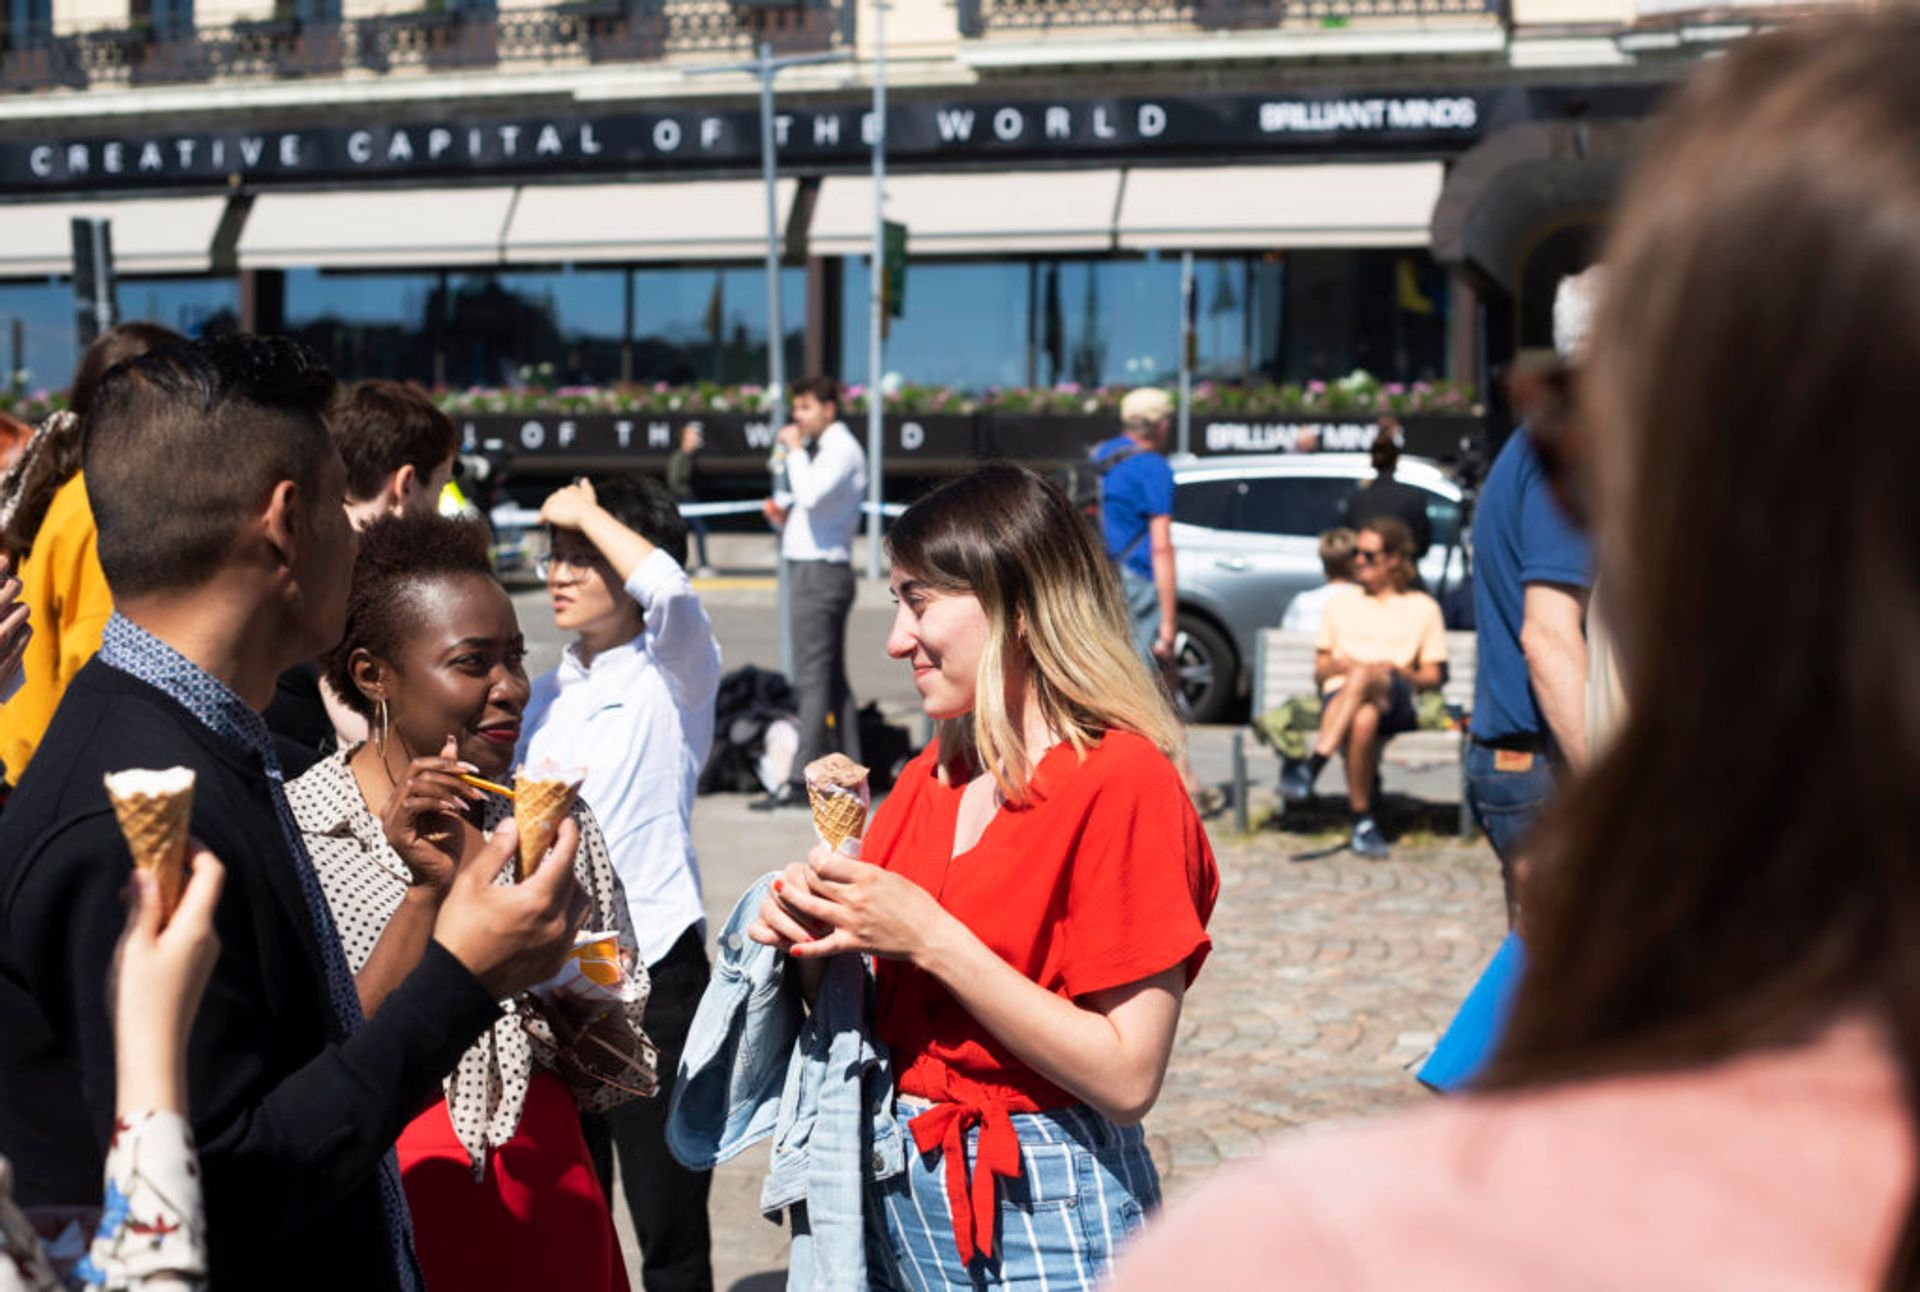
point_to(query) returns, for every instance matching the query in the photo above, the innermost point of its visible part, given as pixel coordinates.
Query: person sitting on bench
(1373, 653)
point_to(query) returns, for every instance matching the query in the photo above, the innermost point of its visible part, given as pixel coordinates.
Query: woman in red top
(1036, 891)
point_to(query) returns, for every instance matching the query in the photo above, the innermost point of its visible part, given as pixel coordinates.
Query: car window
(1300, 506)
(1210, 504)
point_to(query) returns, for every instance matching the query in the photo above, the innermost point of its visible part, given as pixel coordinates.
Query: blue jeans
(1084, 1189)
(1507, 803)
(1143, 613)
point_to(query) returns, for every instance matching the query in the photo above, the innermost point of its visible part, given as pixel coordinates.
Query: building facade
(467, 193)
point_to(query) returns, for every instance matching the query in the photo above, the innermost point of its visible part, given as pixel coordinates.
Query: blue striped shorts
(1085, 1187)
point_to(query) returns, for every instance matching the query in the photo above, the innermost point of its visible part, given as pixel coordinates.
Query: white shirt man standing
(827, 476)
(632, 704)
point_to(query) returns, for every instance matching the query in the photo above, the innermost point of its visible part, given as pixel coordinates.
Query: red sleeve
(1144, 879)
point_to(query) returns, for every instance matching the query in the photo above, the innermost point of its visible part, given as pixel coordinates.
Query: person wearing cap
(1136, 518)
(1385, 496)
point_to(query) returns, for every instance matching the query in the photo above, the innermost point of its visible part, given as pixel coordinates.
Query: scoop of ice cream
(836, 770)
(147, 782)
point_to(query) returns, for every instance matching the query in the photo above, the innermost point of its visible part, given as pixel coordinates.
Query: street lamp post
(876, 295)
(766, 67)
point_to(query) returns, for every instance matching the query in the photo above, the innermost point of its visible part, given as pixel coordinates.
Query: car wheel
(1206, 669)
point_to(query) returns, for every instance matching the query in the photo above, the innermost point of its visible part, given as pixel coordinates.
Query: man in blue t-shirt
(1136, 518)
(1532, 571)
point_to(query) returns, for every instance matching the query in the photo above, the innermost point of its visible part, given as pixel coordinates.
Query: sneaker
(784, 797)
(1367, 840)
(1296, 782)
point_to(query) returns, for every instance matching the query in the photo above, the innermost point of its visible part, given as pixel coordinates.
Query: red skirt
(537, 1220)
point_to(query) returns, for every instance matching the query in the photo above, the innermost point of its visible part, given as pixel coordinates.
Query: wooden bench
(1283, 667)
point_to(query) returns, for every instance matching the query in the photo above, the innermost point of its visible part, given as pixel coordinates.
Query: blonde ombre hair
(1008, 538)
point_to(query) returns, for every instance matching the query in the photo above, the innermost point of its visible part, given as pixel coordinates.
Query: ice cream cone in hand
(541, 801)
(837, 792)
(154, 809)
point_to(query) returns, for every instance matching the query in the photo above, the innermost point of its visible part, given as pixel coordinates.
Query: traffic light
(96, 304)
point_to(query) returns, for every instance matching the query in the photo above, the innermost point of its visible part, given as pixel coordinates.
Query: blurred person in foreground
(224, 539)
(1374, 651)
(1709, 1077)
(631, 701)
(398, 448)
(47, 529)
(152, 1234)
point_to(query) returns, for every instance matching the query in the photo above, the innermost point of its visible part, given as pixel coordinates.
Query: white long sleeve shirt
(639, 719)
(828, 486)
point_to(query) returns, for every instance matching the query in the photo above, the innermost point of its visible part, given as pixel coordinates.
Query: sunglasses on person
(1363, 557)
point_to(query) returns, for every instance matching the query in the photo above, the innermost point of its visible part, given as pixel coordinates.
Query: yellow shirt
(1402, 628)
(67, 597)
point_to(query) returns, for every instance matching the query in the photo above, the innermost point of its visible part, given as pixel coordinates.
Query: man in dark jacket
(222, 535)
(1385, 496)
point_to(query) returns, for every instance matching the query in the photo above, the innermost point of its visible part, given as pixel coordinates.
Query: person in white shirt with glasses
(632, 704)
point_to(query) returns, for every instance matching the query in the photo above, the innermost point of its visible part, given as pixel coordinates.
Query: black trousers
(668, 1203)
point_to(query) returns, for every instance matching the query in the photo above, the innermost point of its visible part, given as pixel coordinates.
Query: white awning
(372, 228)
(1279, 206)
(972, 213)
(160, 235)
(691, 220)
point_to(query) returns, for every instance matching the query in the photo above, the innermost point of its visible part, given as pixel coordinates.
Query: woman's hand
(15, 631)
(159, 976)
(865, 908)
(422, 817)
(569, 506)
(779, 923)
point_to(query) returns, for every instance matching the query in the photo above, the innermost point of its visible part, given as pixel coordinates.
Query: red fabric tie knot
(975, 1209)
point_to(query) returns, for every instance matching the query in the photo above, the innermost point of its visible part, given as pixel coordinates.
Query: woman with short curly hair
(497, 1175)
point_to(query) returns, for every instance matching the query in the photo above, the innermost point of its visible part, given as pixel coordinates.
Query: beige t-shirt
(1402, 628)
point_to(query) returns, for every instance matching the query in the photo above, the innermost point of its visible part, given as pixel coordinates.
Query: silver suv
(1246, 539)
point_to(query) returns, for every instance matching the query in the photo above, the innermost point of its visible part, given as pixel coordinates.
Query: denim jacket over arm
(758, 1065)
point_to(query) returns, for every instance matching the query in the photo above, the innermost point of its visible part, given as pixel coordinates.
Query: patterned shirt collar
(136, 652)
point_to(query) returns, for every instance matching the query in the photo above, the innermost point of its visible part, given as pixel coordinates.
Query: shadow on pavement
(765, 1281)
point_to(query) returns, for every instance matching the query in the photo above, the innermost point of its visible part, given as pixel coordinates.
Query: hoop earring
(381, 728)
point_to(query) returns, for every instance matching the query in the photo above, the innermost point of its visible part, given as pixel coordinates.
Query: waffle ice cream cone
(837, 792)
(540, 803)
(154, 808)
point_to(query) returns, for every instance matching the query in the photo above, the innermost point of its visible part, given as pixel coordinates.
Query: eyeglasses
(1362, 556)
(547, 562)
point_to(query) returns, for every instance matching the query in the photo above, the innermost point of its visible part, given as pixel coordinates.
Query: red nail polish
(794, 951)
(778, 886)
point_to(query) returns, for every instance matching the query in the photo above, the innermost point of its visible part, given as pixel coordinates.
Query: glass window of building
(710, 324)
(968, 324)
(49, 339)
(1382, 311)
(560, 327)
(24, 23)
(368, 325)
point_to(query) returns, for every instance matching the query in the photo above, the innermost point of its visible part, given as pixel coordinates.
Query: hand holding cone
(541, 801)
(837, 792)
(154, 809)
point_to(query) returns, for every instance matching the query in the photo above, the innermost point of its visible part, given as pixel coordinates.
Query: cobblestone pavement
(1328, 979)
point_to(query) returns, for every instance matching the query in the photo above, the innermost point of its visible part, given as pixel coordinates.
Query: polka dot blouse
(365, 880)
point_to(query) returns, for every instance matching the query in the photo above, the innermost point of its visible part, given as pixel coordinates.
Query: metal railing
(979, 17)
(284, 47)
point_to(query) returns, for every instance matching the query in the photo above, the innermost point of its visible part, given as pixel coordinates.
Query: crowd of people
(344, 1058)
